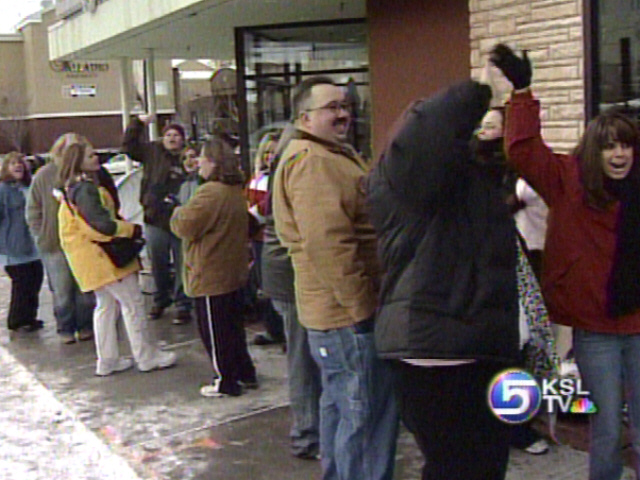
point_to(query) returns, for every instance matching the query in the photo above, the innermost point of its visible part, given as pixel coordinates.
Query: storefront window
(273, 59)
(616, 55)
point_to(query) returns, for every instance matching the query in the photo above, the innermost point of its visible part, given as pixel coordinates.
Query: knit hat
(174, 126)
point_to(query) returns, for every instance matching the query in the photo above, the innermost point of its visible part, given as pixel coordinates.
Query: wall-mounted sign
(79, 67)
(76, 90)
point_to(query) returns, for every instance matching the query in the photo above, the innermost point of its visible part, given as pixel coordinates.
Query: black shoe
(308, 455)
(249, 384)
(156, 312)
(33, 326)
(266, 339)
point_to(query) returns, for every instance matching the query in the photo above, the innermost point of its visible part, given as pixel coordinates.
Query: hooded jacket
(42, 205)
(88, 216)
(446, 238)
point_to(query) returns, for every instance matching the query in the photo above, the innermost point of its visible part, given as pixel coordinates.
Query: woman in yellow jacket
(87, 216)
(213, 227)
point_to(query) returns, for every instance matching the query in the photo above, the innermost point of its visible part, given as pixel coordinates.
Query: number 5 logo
(514, 396)
(512, 388)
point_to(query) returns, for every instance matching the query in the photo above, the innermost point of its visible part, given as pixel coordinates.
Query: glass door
(271, 60)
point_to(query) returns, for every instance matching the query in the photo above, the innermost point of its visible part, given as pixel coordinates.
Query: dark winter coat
(162, 174)
(277, 270)
(446, 238)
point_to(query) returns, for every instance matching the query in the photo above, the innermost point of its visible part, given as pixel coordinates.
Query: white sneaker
(107, 367)
(162, 360)
(215, 391)
(568, 368)
(539, 447)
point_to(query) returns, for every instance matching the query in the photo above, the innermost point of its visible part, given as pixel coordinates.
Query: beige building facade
(553, 32)
(42, 99)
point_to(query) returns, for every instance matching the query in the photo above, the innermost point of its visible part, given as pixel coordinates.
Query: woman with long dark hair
(591, 262)
(18, 253)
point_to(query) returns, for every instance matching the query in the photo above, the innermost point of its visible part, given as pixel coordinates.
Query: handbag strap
(72, 208)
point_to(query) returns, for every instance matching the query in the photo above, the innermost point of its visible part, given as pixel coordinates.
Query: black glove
(517, 70)
(137, 231)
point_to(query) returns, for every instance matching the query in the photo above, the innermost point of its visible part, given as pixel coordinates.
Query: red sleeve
(526, 150)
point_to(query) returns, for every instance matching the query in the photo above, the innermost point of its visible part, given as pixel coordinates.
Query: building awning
(106, 29)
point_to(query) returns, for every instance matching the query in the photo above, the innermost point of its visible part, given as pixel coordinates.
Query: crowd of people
(402, 286)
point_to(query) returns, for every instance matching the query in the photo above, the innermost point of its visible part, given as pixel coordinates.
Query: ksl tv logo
(514, 396)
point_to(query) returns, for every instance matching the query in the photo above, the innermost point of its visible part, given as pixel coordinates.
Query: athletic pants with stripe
(222, 333)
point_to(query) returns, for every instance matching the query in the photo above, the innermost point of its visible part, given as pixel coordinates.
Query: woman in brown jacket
(213, 227)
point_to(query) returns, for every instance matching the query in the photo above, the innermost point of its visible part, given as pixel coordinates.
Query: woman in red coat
(591, 264)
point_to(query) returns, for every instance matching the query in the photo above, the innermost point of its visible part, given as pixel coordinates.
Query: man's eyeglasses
(333, 107)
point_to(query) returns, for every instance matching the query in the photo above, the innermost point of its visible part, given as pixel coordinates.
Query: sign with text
(79, 69)
(76, 90)
(515, 396)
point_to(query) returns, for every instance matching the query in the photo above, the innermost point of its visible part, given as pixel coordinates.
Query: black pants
(446, 410)
(26, 280)
(222, 333)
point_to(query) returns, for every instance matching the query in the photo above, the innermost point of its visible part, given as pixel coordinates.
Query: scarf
(623, 286)
(488, 152)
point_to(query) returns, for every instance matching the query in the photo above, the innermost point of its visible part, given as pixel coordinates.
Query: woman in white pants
(87, 216)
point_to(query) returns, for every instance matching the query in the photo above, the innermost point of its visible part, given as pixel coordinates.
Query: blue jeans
(609, 364)
(304, 383)
(162, 245)
(358, 412)
(72, 308)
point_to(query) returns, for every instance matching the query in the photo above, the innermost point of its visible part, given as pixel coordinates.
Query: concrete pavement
(59, 421)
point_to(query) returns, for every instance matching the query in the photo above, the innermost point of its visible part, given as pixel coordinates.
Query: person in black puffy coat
(448, 314)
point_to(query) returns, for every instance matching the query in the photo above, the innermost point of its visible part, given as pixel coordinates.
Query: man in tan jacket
(319, 211)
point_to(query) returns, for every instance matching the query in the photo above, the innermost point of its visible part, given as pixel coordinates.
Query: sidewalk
(59, 421)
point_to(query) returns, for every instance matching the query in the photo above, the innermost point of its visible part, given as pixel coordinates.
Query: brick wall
(552, 31)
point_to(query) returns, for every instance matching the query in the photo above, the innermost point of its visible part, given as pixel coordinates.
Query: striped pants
(222, 333)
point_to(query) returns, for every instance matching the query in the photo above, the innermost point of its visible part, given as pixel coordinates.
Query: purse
(540, 357)
(122, 250)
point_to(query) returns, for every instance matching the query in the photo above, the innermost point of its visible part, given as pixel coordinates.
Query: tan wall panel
(553, 34)
(416, 47)
(12, 93)
(11, 70)
(47, 89)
